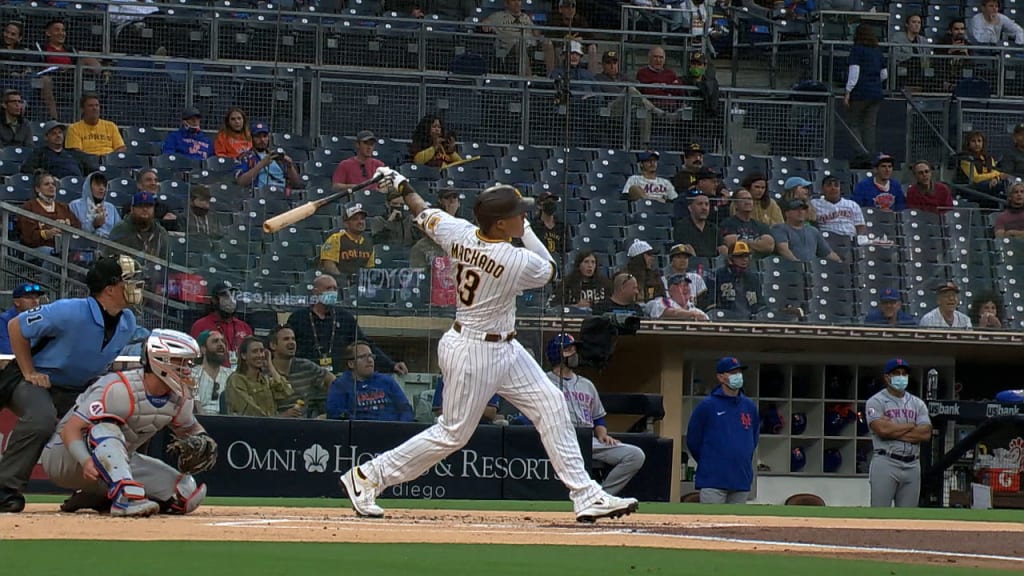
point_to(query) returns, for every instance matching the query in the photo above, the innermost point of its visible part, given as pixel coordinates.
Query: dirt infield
(975, 544)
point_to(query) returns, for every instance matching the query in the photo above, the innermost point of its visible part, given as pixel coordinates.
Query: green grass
(966, 515)
(38, 558)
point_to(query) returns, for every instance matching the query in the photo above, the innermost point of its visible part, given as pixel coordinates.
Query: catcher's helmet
(169, 355)
(555, 346)
(497, 202)
(799, 423)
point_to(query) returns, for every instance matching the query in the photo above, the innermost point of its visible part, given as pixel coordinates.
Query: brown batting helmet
(497, 202)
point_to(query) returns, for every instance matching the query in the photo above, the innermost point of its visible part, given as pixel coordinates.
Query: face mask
(45, 201)
(329, 298)
(200, 211)
(735, 381)
(573, 361)
(899, 382)
(548, 208)
(227, 305)
(696, 71)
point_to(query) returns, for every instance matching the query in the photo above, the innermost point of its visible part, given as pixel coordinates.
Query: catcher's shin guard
(187, 496)
(109, 454)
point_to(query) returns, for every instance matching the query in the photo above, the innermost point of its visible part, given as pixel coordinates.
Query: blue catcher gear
(797, 459)
(832, 461)
(556, 345)
(799, 423)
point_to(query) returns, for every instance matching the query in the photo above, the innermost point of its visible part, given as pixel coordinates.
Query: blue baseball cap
(260, 127)
(28, 289)
(647, 155)
(794, 181)
(890, 295)
(141, 198)
(728, 364)
(896, 363)
(678, 279)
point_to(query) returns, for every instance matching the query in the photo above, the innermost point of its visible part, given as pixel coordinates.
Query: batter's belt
(483, 335)
(901, 457)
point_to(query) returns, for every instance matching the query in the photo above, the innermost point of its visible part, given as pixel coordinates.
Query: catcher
(94, 447)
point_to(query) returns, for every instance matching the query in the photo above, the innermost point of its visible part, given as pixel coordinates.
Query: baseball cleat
(11, 502)
(608, 506)
(81, 500)
(362, 493)
(134, 508)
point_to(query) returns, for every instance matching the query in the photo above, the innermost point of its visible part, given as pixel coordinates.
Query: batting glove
(391, 176)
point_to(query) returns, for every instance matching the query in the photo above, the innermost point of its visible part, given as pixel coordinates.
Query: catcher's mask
(170, 355)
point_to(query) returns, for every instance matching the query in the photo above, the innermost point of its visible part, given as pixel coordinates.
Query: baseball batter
(94, 448)
(899, 423)
(479, 356)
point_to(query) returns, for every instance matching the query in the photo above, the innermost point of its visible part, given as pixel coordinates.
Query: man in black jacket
(59, 161)
(14, 130)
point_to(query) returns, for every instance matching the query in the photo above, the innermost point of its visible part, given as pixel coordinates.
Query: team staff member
(899, 423)
(722, 436)
(222, 319)
(26, 297)
(58, 349)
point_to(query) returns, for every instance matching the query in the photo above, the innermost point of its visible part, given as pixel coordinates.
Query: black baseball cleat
(11, 502)
(80, 500)
(608, 506)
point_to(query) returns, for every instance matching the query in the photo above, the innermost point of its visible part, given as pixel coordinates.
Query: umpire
(59, 349)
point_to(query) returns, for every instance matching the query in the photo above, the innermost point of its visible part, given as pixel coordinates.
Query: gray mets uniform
(119, 400)
(895, 472)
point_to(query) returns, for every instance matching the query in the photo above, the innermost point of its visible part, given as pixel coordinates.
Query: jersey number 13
(468, 283)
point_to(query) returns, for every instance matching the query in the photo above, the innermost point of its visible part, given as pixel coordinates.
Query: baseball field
(448, 538)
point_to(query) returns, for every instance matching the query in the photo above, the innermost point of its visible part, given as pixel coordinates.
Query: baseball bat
(460, 162)
(300, 213)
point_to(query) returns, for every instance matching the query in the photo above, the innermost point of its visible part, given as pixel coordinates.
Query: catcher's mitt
(195, 453)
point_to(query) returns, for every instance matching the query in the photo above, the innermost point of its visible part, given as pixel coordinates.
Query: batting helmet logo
(797, 459)
(556, 345)
(799, 423)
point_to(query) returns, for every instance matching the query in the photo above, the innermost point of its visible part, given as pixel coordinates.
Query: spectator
(189, 141)
(836, 214)
(864, 86)
(722, 436)
(432, 145)
(94, 213)
(946, 315)
(38, 234)
(551, 231)
(641, 265)
(625, 291)
(586, 411)
(1013, 162)
(910, 51)
(200, 221)
(988, 26)
(25, 297)
(567, 16)
(889, 311)
(425, 250)
(256, 388)
(15, 51)
(987, 311)
(734, 287)
(260, 167)
(679, 263)
(705, 83)
(656, 72)
(233, 139)
(396, 227)
(1010, 222)
(54, 158)
(92, 134)
(899, 423)
(61, 57)
(766, 210)
(574, 69)
(490, 415)
(612, 81)
(323, 330)
(309, 381)
(693, 161)
(647, 185)
(15, 130)
(678, 305)
(795, 240)
(222, 318)
(139, 230)
(583, 286)
(880, 190)
(147, 180)
(926, 194)
(511, 26)
(361, 393)
(347, 251)
(742, 226)
(359, 168)
(978, 169)
(697, 230)
(952, 69)
(704, 182)
(211, 376)
(797, 188)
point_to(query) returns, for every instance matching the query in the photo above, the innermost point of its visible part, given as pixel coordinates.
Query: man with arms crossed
(479, 356)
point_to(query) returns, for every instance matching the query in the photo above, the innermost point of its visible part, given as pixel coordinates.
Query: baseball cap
(693, 149)
(638, 247)
(610, 56)
(682, 249)
(707, 172)
(203, 337)
(353, 209)
(830, 178)
(889, 295)
(28, 289)
(794, 181)
(728, 364)
(575, 47)
(51, 125)
(697, 57)
(141, 198)
(739, 248)
(222, 287)
(548, 195)
(946, 287)
(190, 112)
(447, 192)
(796, 204)
(647, 155)
(260, 127)
(896, 363)
(365, 135)
(883, 157)
(678, 279)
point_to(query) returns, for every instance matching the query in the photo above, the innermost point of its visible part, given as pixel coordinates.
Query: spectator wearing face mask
(734, 287)
(189, 140)
(222, 319)
(548, 227)
(395, 227)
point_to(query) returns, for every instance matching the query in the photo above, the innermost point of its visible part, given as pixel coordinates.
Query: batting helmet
(832, 460)
(556, 345)
(797, 459)
(799, 423)
(497, 202)
(772, 421)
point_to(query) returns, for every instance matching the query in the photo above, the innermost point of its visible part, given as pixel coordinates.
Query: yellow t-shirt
(100, 139)
(349, 253)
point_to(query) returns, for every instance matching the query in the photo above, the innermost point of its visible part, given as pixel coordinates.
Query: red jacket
(941, 197)
(234, 330)
(648, 75)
